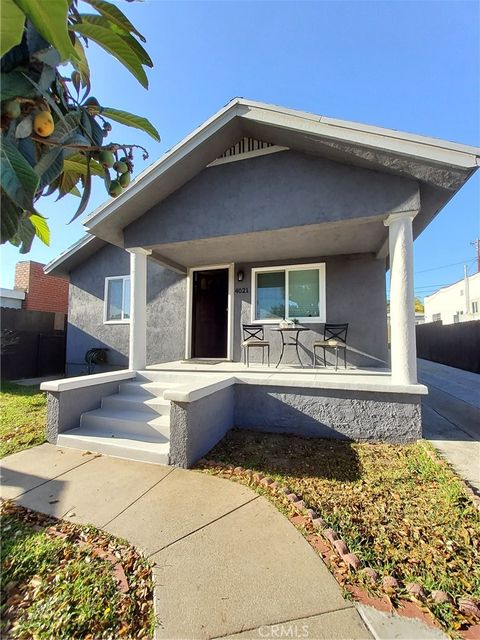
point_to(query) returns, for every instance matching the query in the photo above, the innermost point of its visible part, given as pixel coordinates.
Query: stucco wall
(355, 288)
(254, 195)
(86, 329)
(196, 427)
(322, 413)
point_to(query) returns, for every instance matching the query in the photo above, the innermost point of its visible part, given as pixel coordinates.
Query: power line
(453, 264)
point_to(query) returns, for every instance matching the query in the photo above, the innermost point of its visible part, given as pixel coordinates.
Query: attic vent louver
(245, 145)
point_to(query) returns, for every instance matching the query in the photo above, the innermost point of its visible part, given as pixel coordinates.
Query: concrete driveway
(227, 563)
(451, 417)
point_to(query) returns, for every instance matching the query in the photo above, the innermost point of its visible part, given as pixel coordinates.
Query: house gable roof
(440, 167)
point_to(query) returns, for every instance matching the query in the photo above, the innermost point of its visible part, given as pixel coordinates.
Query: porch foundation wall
(353, 415)
(64, 408)
(196, 427)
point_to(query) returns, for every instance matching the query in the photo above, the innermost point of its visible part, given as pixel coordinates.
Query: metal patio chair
(253, 336)
(334, 337)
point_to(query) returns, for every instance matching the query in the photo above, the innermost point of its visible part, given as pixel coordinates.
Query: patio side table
(284, 331)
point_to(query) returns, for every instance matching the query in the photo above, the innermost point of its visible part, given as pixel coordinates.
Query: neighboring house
(261, 213)
(43, 292)
(459, 302)
(11, 298)
(33, 323)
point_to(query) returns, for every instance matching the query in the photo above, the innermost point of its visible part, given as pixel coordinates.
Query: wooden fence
(31, 345)
(456, 345)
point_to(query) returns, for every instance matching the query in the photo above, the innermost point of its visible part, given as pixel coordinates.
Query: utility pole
(476, 244)
(467, 291)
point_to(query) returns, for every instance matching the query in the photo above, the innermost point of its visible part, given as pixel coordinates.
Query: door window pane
(303, 293)
(270, 295)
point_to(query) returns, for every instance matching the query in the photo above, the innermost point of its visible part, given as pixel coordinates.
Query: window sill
(116, 322)
(300, 321)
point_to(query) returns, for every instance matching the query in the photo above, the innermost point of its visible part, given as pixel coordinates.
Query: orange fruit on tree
(43, 124)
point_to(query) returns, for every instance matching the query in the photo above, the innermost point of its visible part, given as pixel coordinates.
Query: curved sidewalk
(227, 563)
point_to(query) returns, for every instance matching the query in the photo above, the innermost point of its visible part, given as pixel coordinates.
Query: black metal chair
(253, 336)
(334, 337)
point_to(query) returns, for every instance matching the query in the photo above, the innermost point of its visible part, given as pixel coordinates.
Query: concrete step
(108, 442)
(137, 402)
(171, 377)
(141, 424)
(145, 388)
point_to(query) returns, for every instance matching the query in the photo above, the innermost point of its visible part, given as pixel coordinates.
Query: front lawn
(63, 581)
(400, 509)
(23, 414)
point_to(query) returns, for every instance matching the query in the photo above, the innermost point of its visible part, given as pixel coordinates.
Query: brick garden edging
(302, 516)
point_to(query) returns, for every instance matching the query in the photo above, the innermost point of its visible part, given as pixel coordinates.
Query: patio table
(293, 343)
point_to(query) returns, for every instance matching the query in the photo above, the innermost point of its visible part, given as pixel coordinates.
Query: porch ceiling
(309, 241)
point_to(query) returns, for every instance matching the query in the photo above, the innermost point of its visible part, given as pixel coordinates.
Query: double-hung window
(117, 299)
(290, 292)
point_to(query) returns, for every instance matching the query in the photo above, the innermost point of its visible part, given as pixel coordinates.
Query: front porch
(175, 412)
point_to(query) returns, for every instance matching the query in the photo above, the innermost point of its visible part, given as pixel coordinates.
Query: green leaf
(81, 65)
(78, 164)
(9, 219)
(131, 120)
(15, 84)
(50, 19)
(24, 127)
(68, 180)
(114, 44)
(50, 166)
(49, 56)
(112, 13)
(142, 55)
(85, 195)
(65, 128)
(26, 233)
(45, 94)
(18, 179)
(132, 43)
(11, 27)
(41, 228)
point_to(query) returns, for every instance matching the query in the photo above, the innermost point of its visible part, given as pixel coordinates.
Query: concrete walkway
(451, 416)
(227, 563)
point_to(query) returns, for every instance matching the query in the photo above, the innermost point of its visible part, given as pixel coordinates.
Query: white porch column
(138, 308)
(402, 300)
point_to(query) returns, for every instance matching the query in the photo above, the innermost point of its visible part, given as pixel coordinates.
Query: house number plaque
(241, 290)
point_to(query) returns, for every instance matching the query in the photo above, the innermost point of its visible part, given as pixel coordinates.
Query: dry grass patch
(23, 414)
(62, 581)
(398, 508)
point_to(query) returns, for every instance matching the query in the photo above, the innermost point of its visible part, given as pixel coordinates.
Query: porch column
(138, 308)
(402, 301)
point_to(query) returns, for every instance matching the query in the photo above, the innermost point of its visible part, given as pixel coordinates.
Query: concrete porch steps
(133, 423)
(129, 446)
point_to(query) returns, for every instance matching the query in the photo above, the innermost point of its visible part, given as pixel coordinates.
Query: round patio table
(284, 331)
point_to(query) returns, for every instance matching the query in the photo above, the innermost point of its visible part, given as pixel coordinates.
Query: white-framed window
(475, 306)
(289, 292)
(436, 317)
(117, 300)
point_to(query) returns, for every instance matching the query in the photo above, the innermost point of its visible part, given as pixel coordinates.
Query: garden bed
(60, 580)
(409, 529)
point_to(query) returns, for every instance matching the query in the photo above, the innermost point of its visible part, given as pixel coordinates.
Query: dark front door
(210, 313)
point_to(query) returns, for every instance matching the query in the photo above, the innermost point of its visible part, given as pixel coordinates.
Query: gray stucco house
(259, 215)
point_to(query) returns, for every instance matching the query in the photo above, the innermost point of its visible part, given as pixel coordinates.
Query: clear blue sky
(407, 65)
